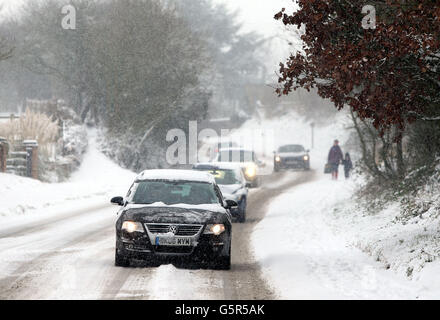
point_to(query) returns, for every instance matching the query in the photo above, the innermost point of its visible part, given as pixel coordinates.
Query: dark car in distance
(291, 156)
(173, 216)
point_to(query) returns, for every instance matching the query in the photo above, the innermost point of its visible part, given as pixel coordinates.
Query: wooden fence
(21, 158)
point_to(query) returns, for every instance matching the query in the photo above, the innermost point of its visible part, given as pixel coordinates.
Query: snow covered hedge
(400, 228)
(70, 148)
(125, 150)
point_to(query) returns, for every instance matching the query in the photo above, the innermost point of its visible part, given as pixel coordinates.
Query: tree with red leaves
(389, 74)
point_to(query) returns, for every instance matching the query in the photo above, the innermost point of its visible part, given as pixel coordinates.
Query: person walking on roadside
(348, 165)
(335, 157)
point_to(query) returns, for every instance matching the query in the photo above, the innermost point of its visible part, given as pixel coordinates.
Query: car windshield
(291, 148)
(236, 156)
(224, 176)
(173, 192)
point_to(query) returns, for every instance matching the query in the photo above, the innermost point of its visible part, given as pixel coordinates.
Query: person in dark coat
(348, 165)
(335, 157)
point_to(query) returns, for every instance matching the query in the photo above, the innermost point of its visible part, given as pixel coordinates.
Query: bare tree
(5, 49)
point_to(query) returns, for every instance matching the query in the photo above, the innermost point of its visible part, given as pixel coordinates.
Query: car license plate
(173, 241)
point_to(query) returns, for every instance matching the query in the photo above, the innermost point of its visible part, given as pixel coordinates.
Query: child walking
(348, 165)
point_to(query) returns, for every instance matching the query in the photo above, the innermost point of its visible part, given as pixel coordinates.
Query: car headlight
(306, 158)
(250, 172)
(215, 229)
(277, 159)
(132, 226)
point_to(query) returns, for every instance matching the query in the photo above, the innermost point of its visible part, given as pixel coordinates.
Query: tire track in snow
(14, 285)
(43, 224)
(246, 280)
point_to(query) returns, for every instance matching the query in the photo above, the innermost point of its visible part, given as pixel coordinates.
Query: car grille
(182, 229)
(293, 159)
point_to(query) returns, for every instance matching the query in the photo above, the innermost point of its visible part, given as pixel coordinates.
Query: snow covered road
(70, 256)
(61, 245)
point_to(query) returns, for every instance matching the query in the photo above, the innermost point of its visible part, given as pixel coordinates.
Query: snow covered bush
(126, 150)
(400, 225)
(71, 148)
(31, 126)
(62, 138)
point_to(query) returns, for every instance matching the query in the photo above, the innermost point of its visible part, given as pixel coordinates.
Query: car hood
(175, 214)
(229, 188)
(246, 164)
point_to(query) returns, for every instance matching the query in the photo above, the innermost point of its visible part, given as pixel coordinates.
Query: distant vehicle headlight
(306, 158)
(250, 172)
(131, 226)
(215, 229)
(277, 158)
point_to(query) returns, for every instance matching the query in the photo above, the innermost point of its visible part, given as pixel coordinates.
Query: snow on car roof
(291, 144)
(219, 165)
(175, 175)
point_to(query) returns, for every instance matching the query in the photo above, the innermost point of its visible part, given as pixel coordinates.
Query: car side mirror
(231, 204)
(307, 150)
(117, 200)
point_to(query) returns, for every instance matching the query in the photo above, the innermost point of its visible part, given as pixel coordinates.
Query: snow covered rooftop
(176, 175)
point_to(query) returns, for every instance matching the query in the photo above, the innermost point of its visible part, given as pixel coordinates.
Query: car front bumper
(292, 163)
(205, 247)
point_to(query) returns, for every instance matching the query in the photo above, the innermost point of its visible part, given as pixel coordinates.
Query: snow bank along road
(317, 255)
(71, 256)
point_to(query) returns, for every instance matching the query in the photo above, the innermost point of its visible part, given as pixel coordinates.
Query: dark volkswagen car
(291, 156)
(174, 216)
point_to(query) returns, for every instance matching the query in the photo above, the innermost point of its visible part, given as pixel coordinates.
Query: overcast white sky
(6, 5)
(257, 15)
